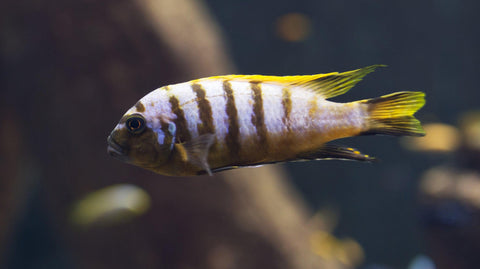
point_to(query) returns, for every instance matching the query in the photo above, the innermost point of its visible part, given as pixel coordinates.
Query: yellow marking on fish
(182, 152)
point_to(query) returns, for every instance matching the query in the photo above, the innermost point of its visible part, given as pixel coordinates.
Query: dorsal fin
(327, 85)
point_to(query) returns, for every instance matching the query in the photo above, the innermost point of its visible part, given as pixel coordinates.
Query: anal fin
(326, 152)
(335, 152)
(231, 167)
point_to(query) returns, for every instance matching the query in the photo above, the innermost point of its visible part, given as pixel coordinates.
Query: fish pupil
(135, 124)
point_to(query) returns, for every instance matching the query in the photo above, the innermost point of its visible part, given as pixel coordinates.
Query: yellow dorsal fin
(327, 85)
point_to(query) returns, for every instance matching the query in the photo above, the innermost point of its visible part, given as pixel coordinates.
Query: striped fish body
(230, 121)
(257, 122)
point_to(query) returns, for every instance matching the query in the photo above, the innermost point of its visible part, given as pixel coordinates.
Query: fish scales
(231, 121)
(276, 117)
(234, 124)
(243, 96)
(300, 123)
(184, 104)
(262, 130)
(254, 127)
(204, 109)
(258, 117)
(188, 113)
(216, 96)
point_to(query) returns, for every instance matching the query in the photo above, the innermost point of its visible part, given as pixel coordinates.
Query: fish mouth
(116, 151)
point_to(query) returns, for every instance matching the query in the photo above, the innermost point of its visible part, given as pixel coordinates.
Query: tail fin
(392, 114)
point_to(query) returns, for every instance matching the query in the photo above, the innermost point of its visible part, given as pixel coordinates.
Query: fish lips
(116, 151)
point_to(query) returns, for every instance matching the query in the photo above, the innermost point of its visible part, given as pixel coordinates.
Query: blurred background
(71, 68)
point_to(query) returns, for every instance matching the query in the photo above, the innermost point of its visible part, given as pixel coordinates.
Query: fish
(225, 122)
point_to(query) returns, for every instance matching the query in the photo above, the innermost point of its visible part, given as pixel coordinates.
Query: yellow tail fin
(392, 114)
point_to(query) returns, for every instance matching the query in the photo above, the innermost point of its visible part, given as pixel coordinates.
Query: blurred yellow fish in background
(224, 122)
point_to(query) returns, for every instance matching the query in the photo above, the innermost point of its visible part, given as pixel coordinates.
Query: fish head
(141, 140)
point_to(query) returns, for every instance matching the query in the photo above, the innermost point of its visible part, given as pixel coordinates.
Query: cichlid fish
(224, 122)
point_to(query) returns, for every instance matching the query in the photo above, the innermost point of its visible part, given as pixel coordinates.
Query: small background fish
(225, 122)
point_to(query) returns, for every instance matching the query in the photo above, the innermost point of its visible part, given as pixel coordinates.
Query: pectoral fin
(196, 151)
(335, 152)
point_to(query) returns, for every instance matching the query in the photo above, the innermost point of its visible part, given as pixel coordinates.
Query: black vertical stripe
(258, 117)
(232, 138)
(182, 133)
(287, 106)
(204, 109)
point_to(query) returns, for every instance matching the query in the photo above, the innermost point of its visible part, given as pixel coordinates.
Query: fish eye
(135, 124)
